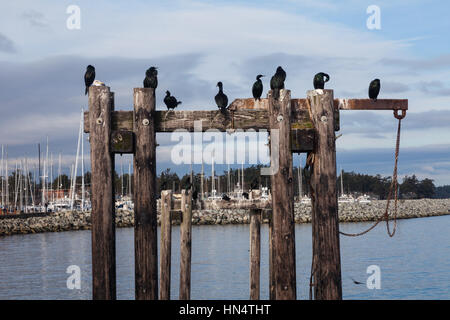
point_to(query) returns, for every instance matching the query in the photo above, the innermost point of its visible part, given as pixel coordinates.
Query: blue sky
(197, 43)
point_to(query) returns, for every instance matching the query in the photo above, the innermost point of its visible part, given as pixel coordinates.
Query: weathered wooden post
(166, 244)
(283, 236)
(325, 220)
(255, 253)
(185, 245)
(145, 218)
(101, 104)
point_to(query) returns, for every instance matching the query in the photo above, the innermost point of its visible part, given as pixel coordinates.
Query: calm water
(415, 264)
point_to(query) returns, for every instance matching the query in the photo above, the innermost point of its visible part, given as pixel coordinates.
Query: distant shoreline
(348, 212)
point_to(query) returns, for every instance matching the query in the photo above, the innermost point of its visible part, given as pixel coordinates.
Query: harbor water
(414, 264)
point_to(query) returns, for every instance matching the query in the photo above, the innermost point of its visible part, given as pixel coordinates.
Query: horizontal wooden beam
(169, 121)
(368, 104)
(244, 114)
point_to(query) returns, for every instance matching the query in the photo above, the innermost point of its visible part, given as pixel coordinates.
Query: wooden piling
(145, 216)
(101, 104)
(325, 221)
(283, 237)
(255, 253)
(166, 245)
(185, 245)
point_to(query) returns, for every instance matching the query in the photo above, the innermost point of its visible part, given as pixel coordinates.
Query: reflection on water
(415, 263)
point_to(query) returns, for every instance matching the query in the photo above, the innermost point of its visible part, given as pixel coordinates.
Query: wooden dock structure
(301, 125)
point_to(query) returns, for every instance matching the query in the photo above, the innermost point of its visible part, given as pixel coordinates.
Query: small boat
(363, 199)
(345, 198)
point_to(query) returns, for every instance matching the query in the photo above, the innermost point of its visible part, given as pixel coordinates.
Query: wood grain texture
(325, 221)
(255, 253)
(185, 245)
(145, 225)
(101, 104)
(283, 257)
(166, 245)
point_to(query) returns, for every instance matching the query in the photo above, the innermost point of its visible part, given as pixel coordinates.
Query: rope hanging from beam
(393, 188)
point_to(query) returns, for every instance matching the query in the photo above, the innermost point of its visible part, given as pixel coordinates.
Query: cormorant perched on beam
(221, 99)
(257, 89)
(277, 82)
(151, 78)
(170, 101)
(374, 89)
(89, 78)
(319, 81)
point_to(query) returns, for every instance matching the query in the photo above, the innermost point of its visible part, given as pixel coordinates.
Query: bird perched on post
(89, 78)
(257, 87)
(374, 89)
(277, 82)
(221, 98)
(170, 101)
(319, 81)
(151, 78)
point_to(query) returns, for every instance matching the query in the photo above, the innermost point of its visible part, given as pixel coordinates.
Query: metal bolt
(324, 119)
(280, 118)
(145, 122)
(99, 120)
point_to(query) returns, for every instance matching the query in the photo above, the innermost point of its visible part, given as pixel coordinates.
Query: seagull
(257, 87)
(89, 78)
(170, 101)
(221, 98)
(319, 81)
(225, 197)
(374, 89)
(277, 82)
(151, 78)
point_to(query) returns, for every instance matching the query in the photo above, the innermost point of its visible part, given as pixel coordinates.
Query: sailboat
(344, 198)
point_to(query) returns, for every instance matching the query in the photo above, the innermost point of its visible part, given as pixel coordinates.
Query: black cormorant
(374, 89)
(89, 78)
(170, 101)
(225, 197)
(151, 78)
(277, 82)
(319, 81)
(221, 98)
(257, 87)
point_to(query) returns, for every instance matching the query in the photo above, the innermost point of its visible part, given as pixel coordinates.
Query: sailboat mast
(82, 166)
(201, 182)
(300, 180)
(212, 175)
(74, 182)
(242, 168)
(342, 182)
